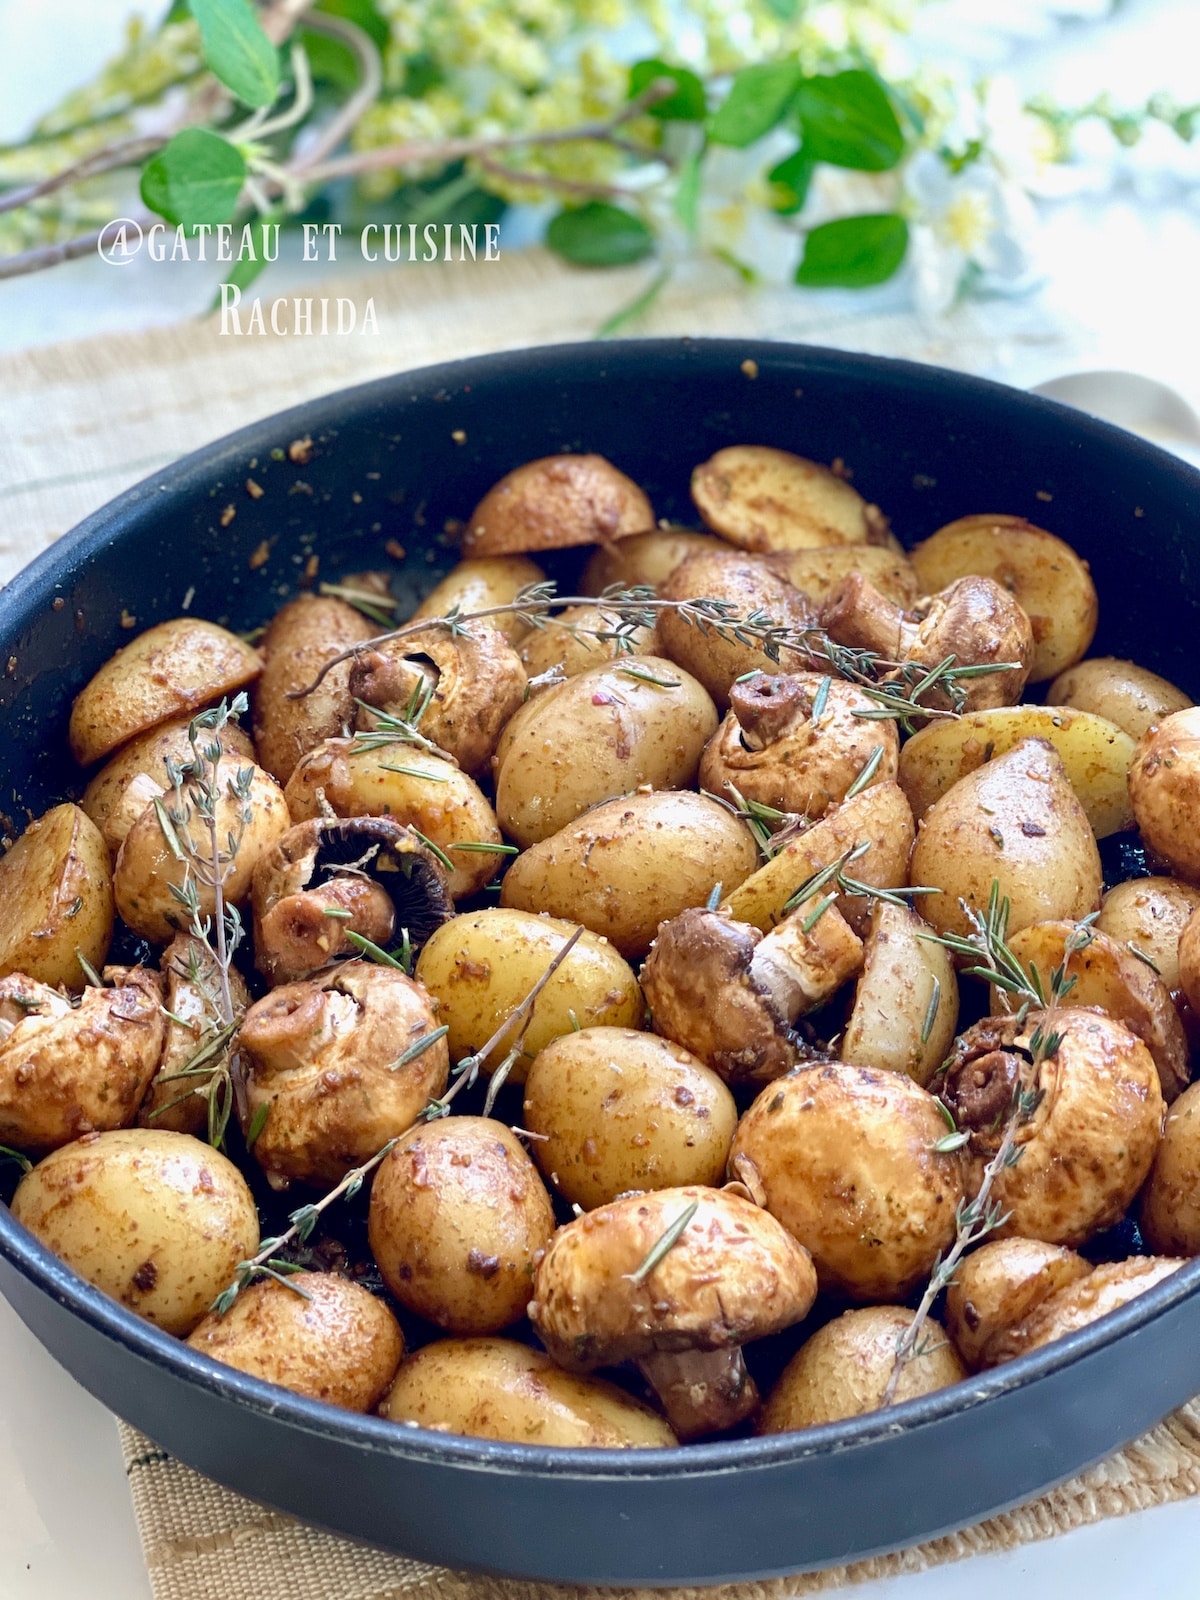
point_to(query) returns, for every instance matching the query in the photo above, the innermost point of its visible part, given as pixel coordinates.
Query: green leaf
(687, 104)
(785, 10)
(854, 252)
(790, 180)
(363, 14)
(599, 235)
(687, 193)
(196, 178)
(848, 121)
(242, 274)
(330, 60)
(237, 50)
(757, 100)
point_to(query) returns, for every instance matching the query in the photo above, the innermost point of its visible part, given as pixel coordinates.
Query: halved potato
(879, 817)
(906, 1006)
(174, 667)
(766, 499)
(1096, 753)
(1109, 977)
(56, 890)
(818, 572)
(1045, 575)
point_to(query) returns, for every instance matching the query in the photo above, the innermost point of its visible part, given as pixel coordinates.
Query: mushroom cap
(191, 981)
(733, 1274)
(977, 621)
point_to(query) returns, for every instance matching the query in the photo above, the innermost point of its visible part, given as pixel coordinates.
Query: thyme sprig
(898, 689)
(976, 1218)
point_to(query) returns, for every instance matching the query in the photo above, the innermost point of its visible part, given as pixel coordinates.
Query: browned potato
(302, 637)
(906, 1004)
(621, 1110)
(1170, 1209)
(1045, 575)
(1096, 757)
(817, 573)
(343, 1062)
(1106, 1288)
(1108, 977)
(567, 643)
(497, 1389)
(68, 1070)
(363, 778)
(481, 966)
(846, 1158)
(766, 499)
(1121, 691)
(157, 1220)
(997, 1286)
(747, 585)
(1086, 1150)
(878, 817)
(171, 668)
(317, 1334)
(56, 887)
(1164, 786)
(1015, 822)
(647, 559)
(458, 1216)
(126, 784)
(147, 867)
(1148, 915)
(557, 501)
(627, 865)
(844, 1370)
(603, 733)
(481, 584)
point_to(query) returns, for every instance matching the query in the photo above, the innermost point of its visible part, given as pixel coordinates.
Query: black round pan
(395, 461)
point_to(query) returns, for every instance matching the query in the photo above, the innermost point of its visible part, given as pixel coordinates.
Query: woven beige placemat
(203, 1542)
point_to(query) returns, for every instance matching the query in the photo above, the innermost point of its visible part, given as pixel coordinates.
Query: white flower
(973, 218)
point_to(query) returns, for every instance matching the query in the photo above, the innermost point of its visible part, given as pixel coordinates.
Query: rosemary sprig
(367, 947)
(7, 1153)
(377, 607)
(666, 1241)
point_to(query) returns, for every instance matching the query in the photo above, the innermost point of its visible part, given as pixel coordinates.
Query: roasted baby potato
(554, 502)
(1120, 691)
(1164, 786)
(56, 886)
(481, 584)
(765, 499)
(569, 643)
(1170, 1205)
(301, 639)
(906, 1004)
(1148, 916)
(818, 572)
(646, 559)
(996, 1288)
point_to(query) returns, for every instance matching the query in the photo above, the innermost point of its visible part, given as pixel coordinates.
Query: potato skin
(629, 864)
(906, 1005)
(432, 796)
(818, 572)
(1150, 913)
(761, 498)
(174, 667)
(1164, 786)
(1017, 822)
(1106, 1288)
(624, 1110)
(846, 1161)
(554, 502)
(458, 1216)
(498, 1389)
(146, 757)
(157, 1220)
(480, 584)
(1131, 696)
(301, 638)
(341, 1345)
(146, 868)
(1170, 1204)
(843, 1370)
(483, 964)
(56, 886)
(566, 645)
(645, 559)
(997, 1286)
(65, 1072)
(603, 733)
(321, 1056)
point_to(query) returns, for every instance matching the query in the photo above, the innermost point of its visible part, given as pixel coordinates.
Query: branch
(370, 73)
(116, 155)
(49, 255)
(547, 180)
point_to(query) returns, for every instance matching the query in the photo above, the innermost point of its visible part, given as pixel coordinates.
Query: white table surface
(66, 1524)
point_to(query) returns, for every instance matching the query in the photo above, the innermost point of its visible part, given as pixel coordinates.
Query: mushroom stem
(800, 968)
(858, 615)
(701, 1391)
(766, 707)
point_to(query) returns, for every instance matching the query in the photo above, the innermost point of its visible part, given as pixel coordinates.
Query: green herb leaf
(848, 121)
(666, 1241)
(952, 1141)
(242, 274)
(363, 14)
(599, 235)
(257, 1123)
(194, 179)
(237, 49)
(757, 100)
(7, 1153)
(854, 252)
(687, 104)
(790, 180)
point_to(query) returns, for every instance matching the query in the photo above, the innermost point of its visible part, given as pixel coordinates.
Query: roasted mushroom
(67, 1070)
(974, 620)
(197, 1041)
(326, 879)
(1088, 1144)
(677, 1281)
(1164, 786)
(302, 639)
(342, 1062)
(731, 994)
(461, 686)
(794, 742)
